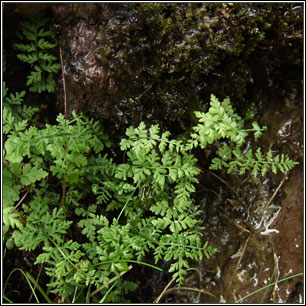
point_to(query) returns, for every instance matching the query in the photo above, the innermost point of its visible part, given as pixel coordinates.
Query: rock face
(160, 61)
(152, 61)
(85, 79)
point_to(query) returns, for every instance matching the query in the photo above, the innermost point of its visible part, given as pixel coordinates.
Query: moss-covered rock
(126, 62)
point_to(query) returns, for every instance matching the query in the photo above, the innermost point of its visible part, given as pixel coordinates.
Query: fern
(13, 111)
(41, 146)
(165, 175)
(67, 266)
(15, 177)
(257, 163)
(120, 212)
(36, 47)
(15, 120)
(220, 121)
(52, 141)
(66, 145)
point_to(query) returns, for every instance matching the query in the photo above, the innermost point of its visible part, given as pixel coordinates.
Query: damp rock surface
(159, 62)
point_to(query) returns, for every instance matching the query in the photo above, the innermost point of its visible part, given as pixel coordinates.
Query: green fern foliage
(60, 149)
(35, 52)
(165, 175)
(220, 122)
(257, 163)
(42, 224)
(89, 218)
(14, 110)
(15, 120)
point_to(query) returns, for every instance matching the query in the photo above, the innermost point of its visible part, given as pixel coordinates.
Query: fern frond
(40, 79)
(257, 163)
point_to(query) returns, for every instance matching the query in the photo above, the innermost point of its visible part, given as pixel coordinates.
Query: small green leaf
(11, 218)
(31, 174)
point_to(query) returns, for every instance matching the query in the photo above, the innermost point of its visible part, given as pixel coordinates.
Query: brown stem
(223, 181)
(19, 202)
(63, 79)
(65, 107)
(64, 191)
(37, 279)
(275, 192)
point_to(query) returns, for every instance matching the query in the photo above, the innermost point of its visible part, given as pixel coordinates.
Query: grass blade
(260, 289)
(107, 293)
(26, 277)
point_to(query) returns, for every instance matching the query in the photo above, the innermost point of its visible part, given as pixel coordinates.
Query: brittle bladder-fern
(123, 211)
(36, 49)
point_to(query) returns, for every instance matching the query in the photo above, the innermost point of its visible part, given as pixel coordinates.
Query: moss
(169, 57)
(165, 55)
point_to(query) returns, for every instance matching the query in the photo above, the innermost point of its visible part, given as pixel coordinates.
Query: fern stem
(130, 260)
(231, 188)
(36, 282)
(64, 191)
(65, 109)
(275, 192)
(163, 292)
(64, 255)
(127, 201)
(64, 178)
(110, 281)
(253, 130)
(183, 245)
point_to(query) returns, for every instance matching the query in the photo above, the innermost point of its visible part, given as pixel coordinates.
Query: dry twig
(192, 289)
(223, 181)
(36, 282)
(275, 192)
(19, 202)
